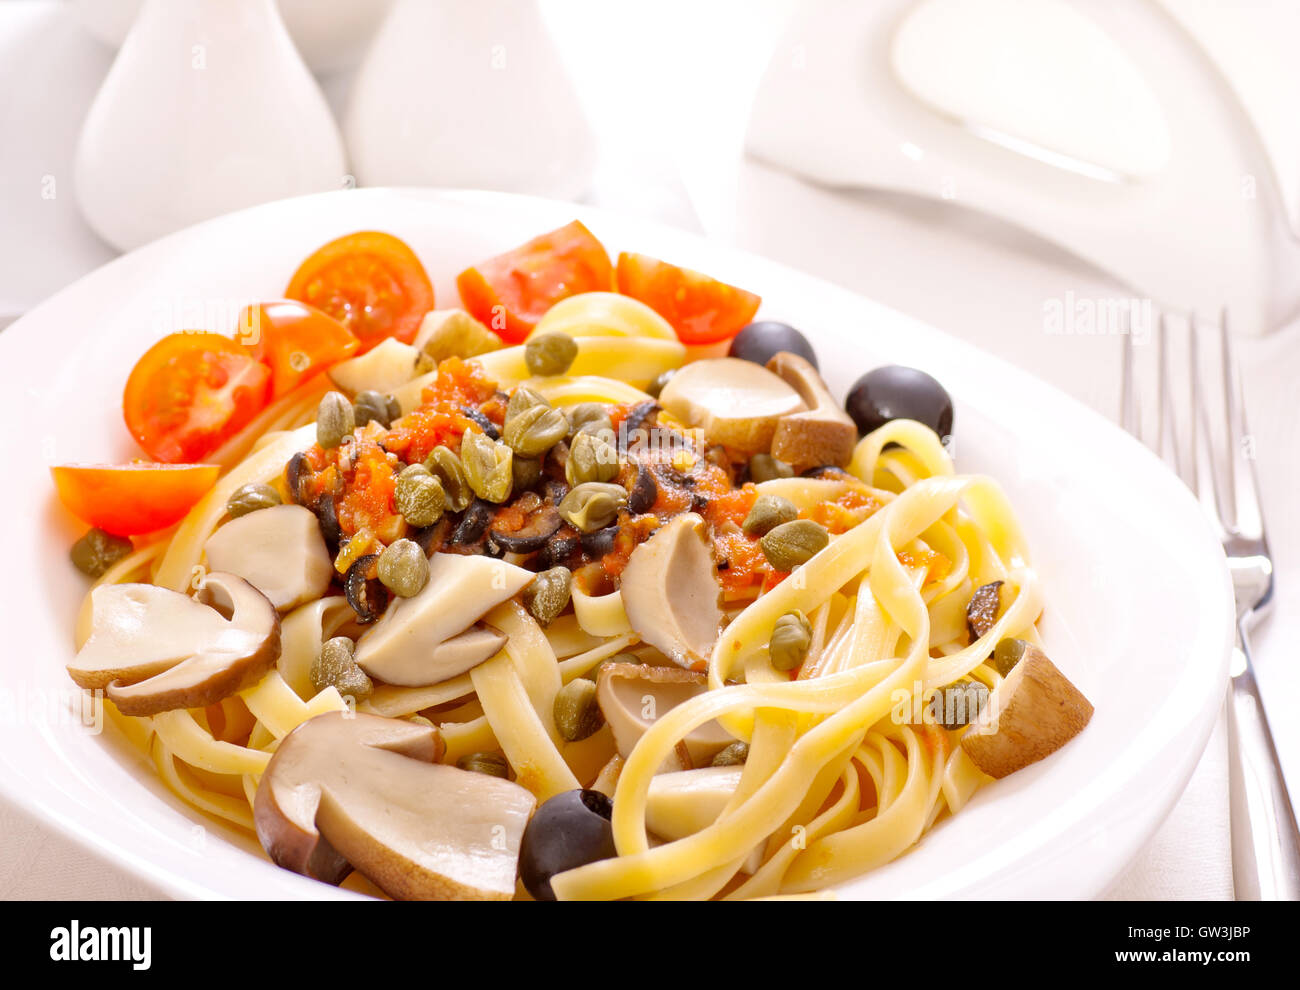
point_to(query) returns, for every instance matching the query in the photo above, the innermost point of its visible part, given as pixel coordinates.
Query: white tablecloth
(670, 132)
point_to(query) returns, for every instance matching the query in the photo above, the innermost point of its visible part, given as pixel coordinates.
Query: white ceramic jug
(468, 94)
(208, 108)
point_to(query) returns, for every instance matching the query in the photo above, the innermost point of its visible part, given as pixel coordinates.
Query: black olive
(558, 550)
(488, 427)
(474, 523)
(982, 609)
(540, 527)
(699, 501)
(554, 490)
(296, 474)
(568, 831)
(896, 392)
(644, 491)
(758, 342)
(637, 418)
(327, 518)
(599, 543)
(431, 538)
(368, 597)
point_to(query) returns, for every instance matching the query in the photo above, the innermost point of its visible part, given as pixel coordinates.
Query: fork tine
(1166, 431)
(1128, 410)
(1247, 520)
(1204, 482)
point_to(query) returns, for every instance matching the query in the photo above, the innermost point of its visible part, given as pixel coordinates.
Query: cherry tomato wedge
(294, 340)
(191, 392)
(369, 281)
(512, 291)
(701, 309)
(130, 499)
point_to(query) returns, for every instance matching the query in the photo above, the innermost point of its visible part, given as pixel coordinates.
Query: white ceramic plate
(1138, 615)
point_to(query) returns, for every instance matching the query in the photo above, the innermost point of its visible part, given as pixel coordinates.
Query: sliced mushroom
(279, 551)
(419, 640)
(1031, 714)
(982, 609)
(383, 368)
(153, 649)
(351, 791)
(821, 434)
(737, 403)
(670, 592)
(632, 696)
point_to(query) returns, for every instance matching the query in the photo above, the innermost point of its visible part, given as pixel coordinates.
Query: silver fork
(1265, 838)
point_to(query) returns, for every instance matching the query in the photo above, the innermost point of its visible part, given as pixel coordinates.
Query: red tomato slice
(370, 282)
(294, 340)
(701, 309)
(130, 499)
(511, 292)
(190, 393)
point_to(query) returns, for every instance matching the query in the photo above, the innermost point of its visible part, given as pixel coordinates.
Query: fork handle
(1265, 839)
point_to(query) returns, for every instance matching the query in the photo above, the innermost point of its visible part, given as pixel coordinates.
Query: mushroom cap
(633, 696)
(823, 433)
(737, 403)
(153, 649)
(278, 550)
(351, 791)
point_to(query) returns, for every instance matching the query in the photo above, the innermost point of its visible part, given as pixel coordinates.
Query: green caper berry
(419, 496)
(547, 594)
(588, 417)
(590, 459)
(403, 568)
(525, 472)
(657, 386)
(492, 764)
(550, 353)
(594, 673)
(1006, 655)
(791, 637)
(577, 715)
(960, 703)
(336, 667)
(793, 543)
(524, 398)
(765, 467)
(768, 512)
(592, 505)
(535, 431)
(250, 498)
(487, 466)
(334, 420)
(371, 406)
(448, 469)
(732, 756)
(97, 551)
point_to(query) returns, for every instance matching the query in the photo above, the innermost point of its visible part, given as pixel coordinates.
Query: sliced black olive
(432, 538)
(554, 490)
(488, 427)
(540, 527)
(699, 501)
(327, 517)
(570, 830)
(638, 418)
(368, 597)
(558, 550)
(474, 523)
(644, 491)
(982, 609)
(296, 474)
(896, 392)
(758, 342)
(600, 542)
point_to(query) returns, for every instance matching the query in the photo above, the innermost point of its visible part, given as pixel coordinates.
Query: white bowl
(1138, 613)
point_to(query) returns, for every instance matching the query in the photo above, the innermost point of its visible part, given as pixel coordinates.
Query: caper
(487, 466)
(793, 543)
(524, 398)
(590, 459)
(791, 637)
(592, 505)
(959, 703)
(594, 673)
(525, 472)
(97, 551)
(657, 386)
(768, 512)
(535, 430)
(732, 756)
(588, 417)
(547, 594)
(492, 764)
(419, 496)
(448, 469)
(250, 498)
(1006, 655)
(577, 715)
(335, 667)
(403, 568)
(371, 406)
(550, 353)
(334, 420)
(765, 467)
